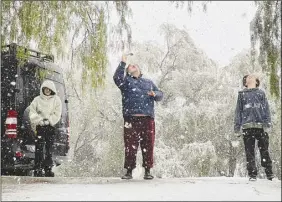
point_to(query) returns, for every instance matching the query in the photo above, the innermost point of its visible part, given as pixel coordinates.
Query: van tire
(10, 172)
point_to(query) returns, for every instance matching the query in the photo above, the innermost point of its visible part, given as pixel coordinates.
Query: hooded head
(133, 70)
(46, 86)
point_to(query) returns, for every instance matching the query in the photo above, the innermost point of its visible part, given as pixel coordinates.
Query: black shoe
(128, 175)
(270, 177)
(38, 173)
(147, 175)
(253, 178)
(269, 173)
(49, 173)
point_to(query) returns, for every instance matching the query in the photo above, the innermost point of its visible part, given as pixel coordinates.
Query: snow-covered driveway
(115, 189)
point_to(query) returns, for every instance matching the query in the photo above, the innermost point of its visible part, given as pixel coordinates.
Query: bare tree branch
(76, 93)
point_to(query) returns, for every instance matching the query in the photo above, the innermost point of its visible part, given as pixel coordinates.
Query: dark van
(20, 84)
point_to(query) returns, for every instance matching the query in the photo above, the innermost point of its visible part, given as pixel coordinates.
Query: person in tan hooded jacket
(45, 112)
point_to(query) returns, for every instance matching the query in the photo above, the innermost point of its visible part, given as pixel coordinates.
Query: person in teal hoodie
(252, 115)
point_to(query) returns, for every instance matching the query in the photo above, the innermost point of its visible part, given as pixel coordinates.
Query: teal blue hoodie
(252, 110)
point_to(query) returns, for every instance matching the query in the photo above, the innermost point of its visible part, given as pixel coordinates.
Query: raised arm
(119, 77)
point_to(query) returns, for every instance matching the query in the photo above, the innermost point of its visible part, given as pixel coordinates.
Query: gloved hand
(238, 133)
(46, 122)
(41, 123)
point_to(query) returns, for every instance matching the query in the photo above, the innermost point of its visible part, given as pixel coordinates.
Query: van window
(8, 76)
(61, 93)
(48, 74)
(33, 78)
(31, 85)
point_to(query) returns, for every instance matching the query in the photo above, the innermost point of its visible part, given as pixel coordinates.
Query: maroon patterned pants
(139, 130)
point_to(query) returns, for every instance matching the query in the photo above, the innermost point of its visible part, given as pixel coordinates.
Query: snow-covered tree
(194, 122)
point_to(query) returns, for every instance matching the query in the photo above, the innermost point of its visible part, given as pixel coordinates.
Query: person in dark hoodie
(44, 113)
(138, 96)
(252, 115)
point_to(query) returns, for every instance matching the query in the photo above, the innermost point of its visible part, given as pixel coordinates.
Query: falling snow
(198, 62)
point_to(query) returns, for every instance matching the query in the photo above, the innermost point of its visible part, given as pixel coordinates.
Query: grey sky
(221, 32)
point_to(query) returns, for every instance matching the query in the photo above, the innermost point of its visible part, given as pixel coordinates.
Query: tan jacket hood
(48, 84)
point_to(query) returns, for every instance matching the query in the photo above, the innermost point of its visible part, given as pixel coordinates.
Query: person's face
(46, 91)
(132, 69)
(250, 79)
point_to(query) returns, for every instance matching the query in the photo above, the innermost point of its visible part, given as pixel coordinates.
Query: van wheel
(19, 172)
(7, 172)
(23, 172)
(29, 173)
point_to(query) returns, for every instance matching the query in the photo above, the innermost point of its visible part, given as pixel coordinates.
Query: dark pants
(139, 130)
(250, 135)
(44, 138)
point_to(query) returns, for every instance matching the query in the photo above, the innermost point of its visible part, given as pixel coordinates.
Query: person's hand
(124, 58)
(238, 132)
(41, 123)
(267, 130)
(238, 135)
(152, 93)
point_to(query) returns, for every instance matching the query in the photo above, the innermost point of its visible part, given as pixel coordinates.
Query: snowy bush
(199, 159)
(167, 162)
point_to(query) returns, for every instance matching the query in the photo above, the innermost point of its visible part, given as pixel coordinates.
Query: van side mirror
(66, 101)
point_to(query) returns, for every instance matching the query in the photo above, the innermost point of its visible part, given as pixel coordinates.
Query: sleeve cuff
(267, 125)
(237, 130)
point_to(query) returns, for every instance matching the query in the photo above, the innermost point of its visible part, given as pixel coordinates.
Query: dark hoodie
(252, 110)
(135, 98)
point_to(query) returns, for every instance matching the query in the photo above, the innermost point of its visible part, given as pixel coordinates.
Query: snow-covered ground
(115, 189)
